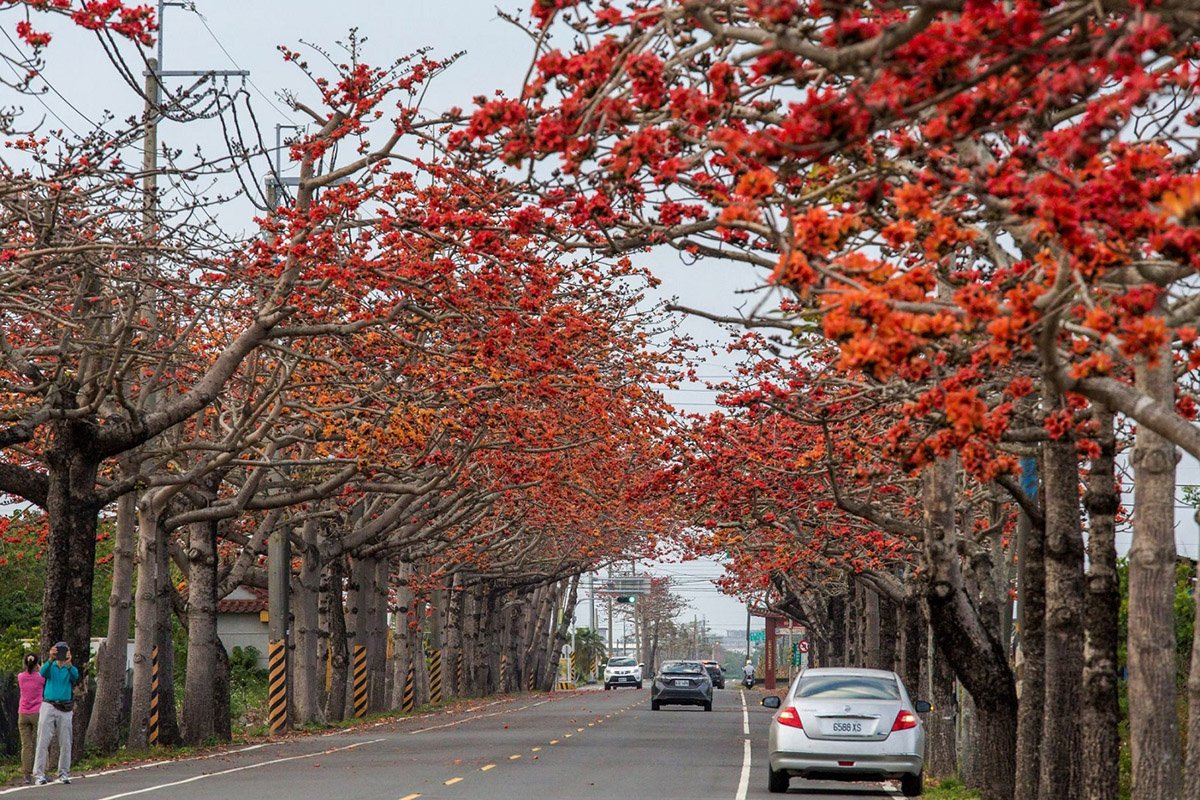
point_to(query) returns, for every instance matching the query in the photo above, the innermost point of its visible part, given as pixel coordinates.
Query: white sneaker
(41, 781)
(64, 779)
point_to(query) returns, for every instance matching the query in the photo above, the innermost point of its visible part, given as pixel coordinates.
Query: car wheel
(639, 684)
(777, 782)
(654, 705)
(708, 706)
(912, 785)
(607, 687)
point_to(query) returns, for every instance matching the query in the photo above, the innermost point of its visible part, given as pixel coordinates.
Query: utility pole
(747, 631)
(610, 617)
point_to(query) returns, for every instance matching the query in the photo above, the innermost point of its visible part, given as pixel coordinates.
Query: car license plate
(683, 683)
(848, 727)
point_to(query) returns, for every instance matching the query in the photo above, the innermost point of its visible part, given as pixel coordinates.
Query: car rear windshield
(683, 668)
(622, 662)
(848, 687)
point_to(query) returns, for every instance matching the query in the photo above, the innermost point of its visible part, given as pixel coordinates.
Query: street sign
(625, 584)
(803, 643)
(758, 636)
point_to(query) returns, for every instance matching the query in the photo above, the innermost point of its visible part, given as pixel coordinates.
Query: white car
(622, 671)
(846, 724)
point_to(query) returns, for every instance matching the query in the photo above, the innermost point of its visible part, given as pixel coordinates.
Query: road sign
(758, 636)
(625, 584)
(803, 644)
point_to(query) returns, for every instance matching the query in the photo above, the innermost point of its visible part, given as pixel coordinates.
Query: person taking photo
(56, 713)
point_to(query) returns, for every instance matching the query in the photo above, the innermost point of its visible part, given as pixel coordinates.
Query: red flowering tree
(965, 195)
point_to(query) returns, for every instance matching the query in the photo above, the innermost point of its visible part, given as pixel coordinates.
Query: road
(564, 746)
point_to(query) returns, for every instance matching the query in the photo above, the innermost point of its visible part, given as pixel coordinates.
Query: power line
(232, 60)
(38, 96)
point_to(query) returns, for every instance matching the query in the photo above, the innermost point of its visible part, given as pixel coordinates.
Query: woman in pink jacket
(31, 683)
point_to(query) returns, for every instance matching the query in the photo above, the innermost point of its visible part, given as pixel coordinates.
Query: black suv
(715, 673)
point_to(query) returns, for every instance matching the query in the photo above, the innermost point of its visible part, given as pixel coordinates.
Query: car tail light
(904, 721)
(789, 717)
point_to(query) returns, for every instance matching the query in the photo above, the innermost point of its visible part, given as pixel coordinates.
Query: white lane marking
(745, 716)
(460, 721)
(744, 781)
(480, 716)
(149, 764)
(243, 768)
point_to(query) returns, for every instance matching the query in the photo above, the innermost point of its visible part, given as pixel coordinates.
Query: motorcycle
(748, 681)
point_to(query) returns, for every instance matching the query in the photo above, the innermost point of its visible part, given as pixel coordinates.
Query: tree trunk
(376, 596)
(1099, 727)
(940, 745)
(1060, 754)
(71, 513)
(339, 659)
(872, 650)
(454, 648)
(1191, 770)
(199, 692)
(223, 697)
(913, 644)
(103, 727)
(150, 537)
(1031, 570)
(164, 606)
(837, 624)
(889, 633)
(403, 633)
(979, 661)
(356, 618)
(1153, 725)
(309, 668)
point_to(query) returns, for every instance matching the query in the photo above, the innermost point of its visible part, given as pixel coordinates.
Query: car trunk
(860, 720)
(680, 681)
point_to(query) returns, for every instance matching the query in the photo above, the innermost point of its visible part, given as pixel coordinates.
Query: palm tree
(589, 651)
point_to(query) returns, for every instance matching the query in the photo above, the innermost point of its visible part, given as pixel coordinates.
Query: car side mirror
(921, 706)
(775, 702)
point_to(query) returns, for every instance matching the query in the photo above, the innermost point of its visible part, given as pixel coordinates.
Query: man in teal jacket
(56, 713)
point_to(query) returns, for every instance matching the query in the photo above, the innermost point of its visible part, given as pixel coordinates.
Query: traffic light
(627, 598)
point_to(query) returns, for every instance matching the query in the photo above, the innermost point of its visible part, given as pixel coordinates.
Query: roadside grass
(949, 789)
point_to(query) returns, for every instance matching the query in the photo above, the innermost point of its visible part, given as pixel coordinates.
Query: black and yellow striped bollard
(409, 703)
(458, 673)
(277, 703)
(503, 672)
(532, 680)
(152, 729)
(360, 680)
(435, 676)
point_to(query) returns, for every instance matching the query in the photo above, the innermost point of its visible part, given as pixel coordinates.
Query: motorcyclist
(748, 673)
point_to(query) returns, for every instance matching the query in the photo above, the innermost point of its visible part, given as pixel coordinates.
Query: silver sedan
(846, 724)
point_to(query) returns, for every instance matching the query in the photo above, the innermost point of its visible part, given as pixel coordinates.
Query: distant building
(242, 621)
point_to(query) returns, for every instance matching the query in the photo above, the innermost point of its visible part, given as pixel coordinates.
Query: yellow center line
(554, 741)
(410, 797)
(579, 730)
(486, 767)
(453, 781)
(591, 724)
(534, 749)
(568, 735)
(514, 757)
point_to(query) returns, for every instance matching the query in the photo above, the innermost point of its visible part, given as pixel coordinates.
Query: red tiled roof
(258, 604)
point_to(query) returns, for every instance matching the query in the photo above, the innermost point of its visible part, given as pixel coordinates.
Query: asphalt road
(564, 746)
